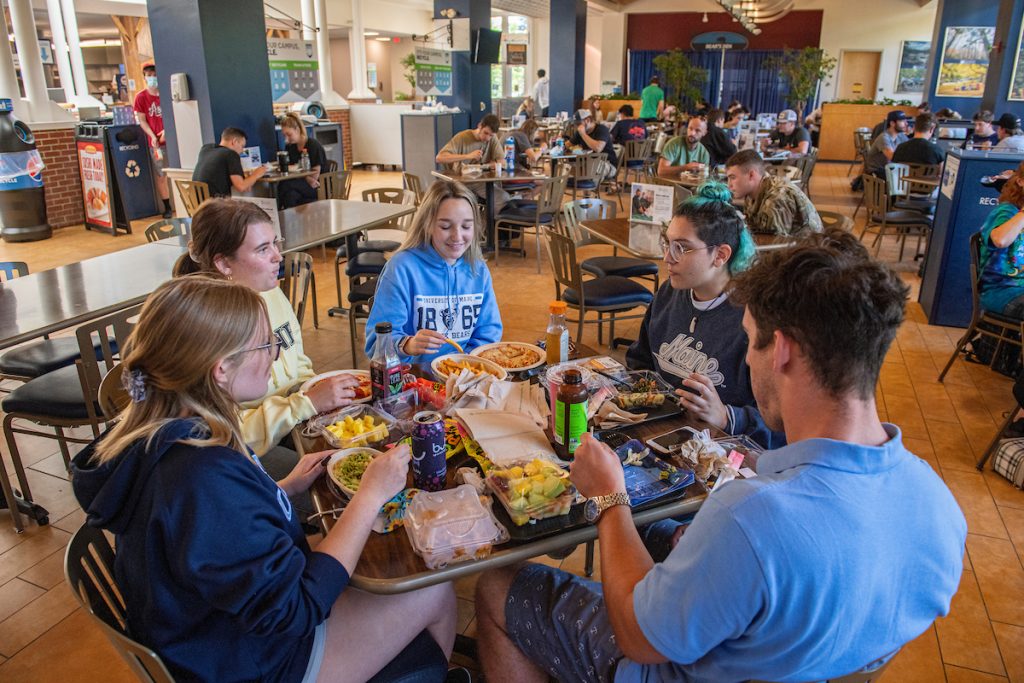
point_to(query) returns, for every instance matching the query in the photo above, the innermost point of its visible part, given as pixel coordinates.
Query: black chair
(519, 217)
(574, 213)
(168, 227)
(883, 216)
(586, 176)
(330, 166)
(1002, 328)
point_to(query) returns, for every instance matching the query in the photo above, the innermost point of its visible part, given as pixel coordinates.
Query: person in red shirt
(150, 117)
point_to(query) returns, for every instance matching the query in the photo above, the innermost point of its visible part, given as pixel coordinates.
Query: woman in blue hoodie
(437, 285)
(215, 570)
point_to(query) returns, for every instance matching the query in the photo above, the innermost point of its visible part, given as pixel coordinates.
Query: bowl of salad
(346, 468)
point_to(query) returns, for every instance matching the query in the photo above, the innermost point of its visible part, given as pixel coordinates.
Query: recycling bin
(117, 176)
(22, 202)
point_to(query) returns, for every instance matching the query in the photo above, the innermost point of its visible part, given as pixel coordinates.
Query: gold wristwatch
(593, 508)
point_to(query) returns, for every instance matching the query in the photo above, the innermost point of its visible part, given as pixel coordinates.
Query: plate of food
(364, 392)
(454, 363)
(513, 356)
(346, 468)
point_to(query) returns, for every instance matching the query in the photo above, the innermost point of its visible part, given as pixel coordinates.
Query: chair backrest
(193, 194)
(96, 334)
(298, 269)
(787, 172)
(573, 213)
(894, 179)
(411, 181)
(13, 269)
(549, 196)
(875, 198)
(861, 141)
(975, 246)
(89, 570)
(922, 172)
(392, 195)
(564, 267)
(588, 166)
(330, 166)
(113, 397)
(334, 185)
(832, 219)
(637, 150)
(168, 227)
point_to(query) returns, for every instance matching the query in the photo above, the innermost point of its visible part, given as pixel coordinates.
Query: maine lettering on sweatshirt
(419, 290)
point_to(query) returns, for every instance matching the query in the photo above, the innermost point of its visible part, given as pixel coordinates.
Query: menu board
(433, 71)
(650, 203)
(293, 70)
(92, 165)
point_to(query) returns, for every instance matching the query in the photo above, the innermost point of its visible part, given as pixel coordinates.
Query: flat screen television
(487, 46)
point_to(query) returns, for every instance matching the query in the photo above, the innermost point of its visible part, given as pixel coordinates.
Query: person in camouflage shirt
(772, 204)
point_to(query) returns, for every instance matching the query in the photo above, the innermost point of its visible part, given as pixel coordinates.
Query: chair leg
(536, 234)
(5, 482)
(63, 443)
(995, 439)
(611, 330)
(600, 328)
(352, 334)
(579, 326)
(956, 351)
(312, 286)
(497, 249)
(337, 282)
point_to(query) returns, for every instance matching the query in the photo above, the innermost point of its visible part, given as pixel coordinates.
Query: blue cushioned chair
(607, 296)
(601, 266)
(518, 217)
(585, 174)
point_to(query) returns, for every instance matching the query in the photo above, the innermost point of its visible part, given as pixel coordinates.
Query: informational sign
(650, 203)
(1017, 81)
(965, 61)
(92, 164)
(293, 70)
(371, 75)
(251, 158)
(268, 204)
(515, 54)
(718, 40)
(433, 71)
(45, 53)
(949, 175)
(913, 62)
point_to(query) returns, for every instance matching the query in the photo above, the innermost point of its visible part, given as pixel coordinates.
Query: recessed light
(371, 33)
(383, 39)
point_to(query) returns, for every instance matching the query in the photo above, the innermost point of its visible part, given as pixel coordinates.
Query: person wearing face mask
(437, 287)
(150, 118)
(220, 166)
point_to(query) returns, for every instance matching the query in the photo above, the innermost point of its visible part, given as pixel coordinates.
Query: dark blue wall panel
(568, 46)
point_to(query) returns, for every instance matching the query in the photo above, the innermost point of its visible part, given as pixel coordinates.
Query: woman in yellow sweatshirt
(237, 240)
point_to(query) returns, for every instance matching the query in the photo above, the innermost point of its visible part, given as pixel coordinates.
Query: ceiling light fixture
(368, 34)
(750, 13)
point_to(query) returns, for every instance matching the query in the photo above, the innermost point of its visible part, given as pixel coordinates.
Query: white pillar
(357, 46)
(323, 55)
(82, 96)
(308, 21)
(32, 63)
(9, 83)
(60, 49)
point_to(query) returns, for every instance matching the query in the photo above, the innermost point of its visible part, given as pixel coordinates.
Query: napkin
(529, 400)
(506, 437)
(469, 390)
(610, 416)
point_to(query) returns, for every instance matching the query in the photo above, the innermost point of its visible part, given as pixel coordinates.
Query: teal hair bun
(712, 191)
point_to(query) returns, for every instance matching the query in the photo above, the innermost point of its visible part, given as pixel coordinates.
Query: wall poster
(913, 62)
(293, 70)
(1017, 80)
(964, 61)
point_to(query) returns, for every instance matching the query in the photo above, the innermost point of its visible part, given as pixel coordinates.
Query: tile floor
(44, 636)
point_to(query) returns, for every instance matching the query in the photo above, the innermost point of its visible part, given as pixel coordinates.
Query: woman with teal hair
(692, 335)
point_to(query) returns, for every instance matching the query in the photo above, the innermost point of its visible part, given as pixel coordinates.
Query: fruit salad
(534, 490)
(357, 431)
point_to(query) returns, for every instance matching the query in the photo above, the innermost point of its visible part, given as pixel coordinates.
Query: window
(517, 24)
(497, 80)
(516, 81)
(509, 80)
(496, 24)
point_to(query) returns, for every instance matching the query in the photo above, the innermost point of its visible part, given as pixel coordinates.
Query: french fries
(448, 367)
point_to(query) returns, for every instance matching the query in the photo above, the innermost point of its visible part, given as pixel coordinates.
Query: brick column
(341, 115)
(62, 184)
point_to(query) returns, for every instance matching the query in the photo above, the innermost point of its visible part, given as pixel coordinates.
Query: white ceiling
(530, 8)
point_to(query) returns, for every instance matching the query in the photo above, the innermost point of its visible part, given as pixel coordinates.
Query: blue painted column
(568, 30)
(471, 83)
(222, 46)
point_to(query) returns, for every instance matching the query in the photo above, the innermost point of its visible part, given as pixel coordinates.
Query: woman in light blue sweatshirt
(437, 285)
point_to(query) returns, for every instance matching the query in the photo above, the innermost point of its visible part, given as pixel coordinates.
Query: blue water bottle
(510, 154)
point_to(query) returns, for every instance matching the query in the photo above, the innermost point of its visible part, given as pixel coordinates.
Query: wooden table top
(388, 564)
(52, 300)
(276, 176)
(643, 240)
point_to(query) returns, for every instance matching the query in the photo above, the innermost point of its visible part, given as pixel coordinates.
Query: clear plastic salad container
(450, 526)
(351, 427)
(641, 389)
(537, 489)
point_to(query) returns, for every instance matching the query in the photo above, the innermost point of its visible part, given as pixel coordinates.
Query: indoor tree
(803, 70)
(683, 79)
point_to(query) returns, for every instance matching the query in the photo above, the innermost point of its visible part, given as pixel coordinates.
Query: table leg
(489, 215)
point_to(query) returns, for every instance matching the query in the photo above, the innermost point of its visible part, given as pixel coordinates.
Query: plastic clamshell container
(645, 382)
(505, 481)
(450, 526)
(384, 424)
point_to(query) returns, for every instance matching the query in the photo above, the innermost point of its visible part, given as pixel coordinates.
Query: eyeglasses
(675, 250)
(271, 347)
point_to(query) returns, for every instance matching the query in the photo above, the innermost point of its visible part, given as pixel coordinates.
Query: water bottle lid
(558, 307)
(382, 328)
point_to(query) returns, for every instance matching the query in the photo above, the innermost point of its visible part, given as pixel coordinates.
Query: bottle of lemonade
(557, 337)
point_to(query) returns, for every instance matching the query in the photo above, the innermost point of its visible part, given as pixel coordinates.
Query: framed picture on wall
(1017, 80)
(964, 61)
(913, 62)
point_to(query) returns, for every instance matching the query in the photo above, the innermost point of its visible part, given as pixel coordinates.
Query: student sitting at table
(627, 127)
(592, 136)
(220, 166)
(527, 108)
(236, 240)
(684, 152)
(691, 334)
(478, 145)
(771, 204)
(1001, 282)
(437, 287)
(528, 153)
(216, 573)
(841, 550)
(300, 190)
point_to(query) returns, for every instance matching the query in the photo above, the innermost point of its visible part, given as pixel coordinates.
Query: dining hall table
(389, 565)
(643, 240)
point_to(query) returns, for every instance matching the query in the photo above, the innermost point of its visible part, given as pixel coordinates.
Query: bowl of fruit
(354, 426)
(537, 489)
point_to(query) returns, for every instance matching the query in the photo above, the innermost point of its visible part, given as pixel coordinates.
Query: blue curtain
(745, 77)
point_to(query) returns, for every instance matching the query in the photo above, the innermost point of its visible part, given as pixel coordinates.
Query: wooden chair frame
(876, 201)
(193, 194)
(168, 227)
(549, 200)
(298, 276)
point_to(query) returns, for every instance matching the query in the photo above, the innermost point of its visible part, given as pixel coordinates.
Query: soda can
(429, 468)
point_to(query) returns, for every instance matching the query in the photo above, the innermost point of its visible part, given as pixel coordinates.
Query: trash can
(117, 175)
(22, 202)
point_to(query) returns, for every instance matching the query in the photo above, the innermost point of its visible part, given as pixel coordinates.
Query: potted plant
(408, 63)
(684, 80)
(803, 70)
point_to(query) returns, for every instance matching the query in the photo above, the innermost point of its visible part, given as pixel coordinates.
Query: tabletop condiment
(557, 335)
(570, 413)
(385, 366)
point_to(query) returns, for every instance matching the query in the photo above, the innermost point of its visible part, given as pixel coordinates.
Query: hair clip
(134, 382)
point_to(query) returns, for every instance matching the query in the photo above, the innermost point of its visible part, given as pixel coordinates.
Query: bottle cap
(382, 328)
(572, 377)
(558, 307)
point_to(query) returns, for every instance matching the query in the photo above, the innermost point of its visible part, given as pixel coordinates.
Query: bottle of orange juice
(557, 338)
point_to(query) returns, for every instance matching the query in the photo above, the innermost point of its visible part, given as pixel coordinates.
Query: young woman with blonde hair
(437, 286)
(215, 570)
(300, 190)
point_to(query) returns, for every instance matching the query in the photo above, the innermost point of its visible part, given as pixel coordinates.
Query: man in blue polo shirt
(843, 548)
